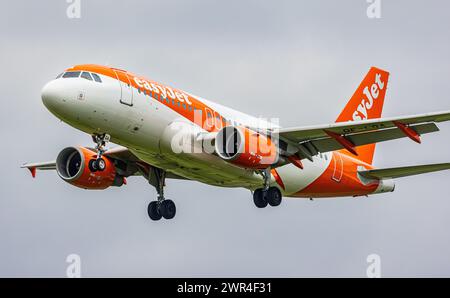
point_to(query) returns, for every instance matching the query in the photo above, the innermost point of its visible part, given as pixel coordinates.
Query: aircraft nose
(50, 95)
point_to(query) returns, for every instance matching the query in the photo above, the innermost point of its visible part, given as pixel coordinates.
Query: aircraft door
(126, 89)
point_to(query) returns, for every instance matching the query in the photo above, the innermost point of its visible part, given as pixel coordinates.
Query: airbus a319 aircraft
(165, 133)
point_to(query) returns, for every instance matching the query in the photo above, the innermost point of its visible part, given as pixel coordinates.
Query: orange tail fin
(367, 103)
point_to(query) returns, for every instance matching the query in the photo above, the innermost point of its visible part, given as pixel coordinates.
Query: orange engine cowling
(245, 147)
(72, 165)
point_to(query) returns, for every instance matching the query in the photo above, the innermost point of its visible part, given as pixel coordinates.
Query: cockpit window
(96, 77)
(86, 75)
(60, 75)
(71, 74)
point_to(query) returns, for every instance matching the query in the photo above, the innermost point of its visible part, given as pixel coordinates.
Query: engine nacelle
(72, 165)
(245, 148)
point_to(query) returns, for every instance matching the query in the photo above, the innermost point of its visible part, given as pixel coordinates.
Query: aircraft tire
(167, 209)
(93, 165)
(274, 197)
(259, 198)
(153, 211)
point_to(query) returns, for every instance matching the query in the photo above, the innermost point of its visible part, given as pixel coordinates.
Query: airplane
(162, 132)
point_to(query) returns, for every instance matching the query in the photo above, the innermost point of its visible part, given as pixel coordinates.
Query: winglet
(33, 171)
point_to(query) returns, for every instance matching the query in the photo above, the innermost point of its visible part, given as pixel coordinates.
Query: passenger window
(72, 74)
(96, 77)
(86, 75)
(60, 75)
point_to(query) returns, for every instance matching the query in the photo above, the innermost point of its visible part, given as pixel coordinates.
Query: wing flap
(404, 171)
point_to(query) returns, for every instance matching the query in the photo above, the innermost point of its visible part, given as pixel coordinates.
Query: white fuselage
(146, 127)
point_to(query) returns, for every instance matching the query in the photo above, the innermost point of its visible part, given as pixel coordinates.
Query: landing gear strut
(99, 163)
(267, 195)
(161, 207)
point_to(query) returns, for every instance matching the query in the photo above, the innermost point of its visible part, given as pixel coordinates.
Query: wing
(32, 167)
(138, 167)
(404, 171)
(127, 164)
(309, 141)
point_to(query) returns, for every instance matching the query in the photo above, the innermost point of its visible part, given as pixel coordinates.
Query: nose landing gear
(99, 163)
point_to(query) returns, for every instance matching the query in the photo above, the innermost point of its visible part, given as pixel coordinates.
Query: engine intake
(72, 165)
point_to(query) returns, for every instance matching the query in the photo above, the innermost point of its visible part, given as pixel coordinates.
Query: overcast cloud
(296, 60)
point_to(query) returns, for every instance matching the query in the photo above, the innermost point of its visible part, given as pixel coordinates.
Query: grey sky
(296, 60)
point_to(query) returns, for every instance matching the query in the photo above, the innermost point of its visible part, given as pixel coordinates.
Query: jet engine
(245, 148)
(72, 165)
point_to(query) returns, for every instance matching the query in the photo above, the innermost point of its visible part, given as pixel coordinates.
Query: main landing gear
(162, 207)
(99, 163)
(267, 195)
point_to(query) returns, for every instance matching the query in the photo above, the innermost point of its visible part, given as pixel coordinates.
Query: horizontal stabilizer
(404, 171)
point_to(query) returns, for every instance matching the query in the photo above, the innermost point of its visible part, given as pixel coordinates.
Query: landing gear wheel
(162, 207)
(274, 196)
(93, 165)
(259, 198)
(167, 209)
(97, 165)
(100, 164)
(153, 211)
